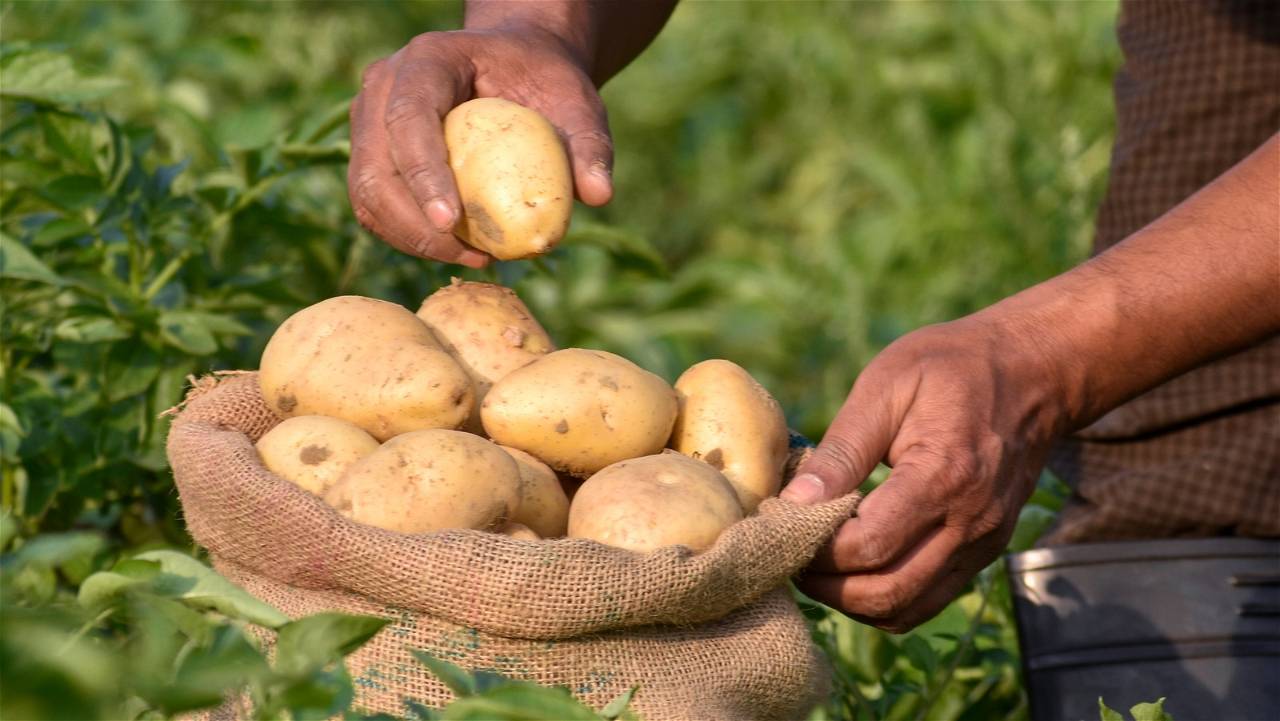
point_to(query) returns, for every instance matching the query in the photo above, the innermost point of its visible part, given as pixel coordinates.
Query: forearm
(605, 35)
(1200, 282)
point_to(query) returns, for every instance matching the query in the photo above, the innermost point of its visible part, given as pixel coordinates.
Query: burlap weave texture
(713, 635)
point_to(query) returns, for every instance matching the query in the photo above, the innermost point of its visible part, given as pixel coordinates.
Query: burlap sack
(708, 636)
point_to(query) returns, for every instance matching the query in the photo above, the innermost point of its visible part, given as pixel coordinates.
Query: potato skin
(314, 451)
(544, 507)
(580, 410)
(488, 330)
(368, 362)
(431, 480)
(660, 500)
(513, 176)
(730, 421)
(519, 531)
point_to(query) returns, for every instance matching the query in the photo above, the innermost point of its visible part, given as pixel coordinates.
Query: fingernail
(440, 214)
(601, 171)
(805, 489)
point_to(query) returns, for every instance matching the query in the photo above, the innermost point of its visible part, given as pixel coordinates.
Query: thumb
(857, 440)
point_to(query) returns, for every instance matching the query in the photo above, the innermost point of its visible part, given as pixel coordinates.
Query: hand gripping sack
(713, 635)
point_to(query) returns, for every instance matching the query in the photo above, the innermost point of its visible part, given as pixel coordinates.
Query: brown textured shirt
(1199, 455)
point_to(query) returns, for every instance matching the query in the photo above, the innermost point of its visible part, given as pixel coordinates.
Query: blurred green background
(797, 184)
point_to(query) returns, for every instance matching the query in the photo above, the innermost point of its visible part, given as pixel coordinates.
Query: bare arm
(549, 55)
(606, 34)
(965, 411)
(1200, 282)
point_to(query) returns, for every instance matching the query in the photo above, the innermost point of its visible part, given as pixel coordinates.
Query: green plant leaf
(188, 332)
(619, 704)
(520, 701)
(628, 249)
(204, 587)
(459, 681)
(53, 549)
(315, 641)
(210, 670)
(921, 654)
(90, 329)
(132, 366)
(44, 76)
(1106, 713)
(11, 435)
(1150, 711)
(17, 261)
(74, 193)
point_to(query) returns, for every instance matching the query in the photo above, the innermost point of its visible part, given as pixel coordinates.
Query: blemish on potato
(562, 426)
(513, 336)
(715, 458)
(484, 222)
(314, 455)
(287, 403)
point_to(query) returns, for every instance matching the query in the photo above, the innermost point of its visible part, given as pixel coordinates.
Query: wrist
(569, 23)
(1056, 339)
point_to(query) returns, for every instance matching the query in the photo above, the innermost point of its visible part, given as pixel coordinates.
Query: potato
(655, 501)
(730, 421)
(488, 330)
(314, 451)
(580, 410)
(368, 362)
(544, 507)
(513, 176)
(431, 480)
(520, 531)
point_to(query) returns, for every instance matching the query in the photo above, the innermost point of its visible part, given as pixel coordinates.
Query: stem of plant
(961, 647)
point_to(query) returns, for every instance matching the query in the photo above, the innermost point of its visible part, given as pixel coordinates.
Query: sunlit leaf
(90, 329)
(209, 589)
(16, 261)
(50, 77)
(315, 641)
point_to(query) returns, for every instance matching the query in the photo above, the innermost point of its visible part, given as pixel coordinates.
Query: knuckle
(960, 470)
(593, 136)
(424, 178)
(987, 523)
(372, 71)
(872, 551)
(365, 188)
(366, 219)
(427, 42)
(845, 455)
(886, 604)
(401, 109)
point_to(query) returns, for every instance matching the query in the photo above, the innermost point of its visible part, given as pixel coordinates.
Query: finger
(857, 440)
(885, 594)
(891, 521)
(425, 89)
(936, 594)
(585, 128)
(380, 199)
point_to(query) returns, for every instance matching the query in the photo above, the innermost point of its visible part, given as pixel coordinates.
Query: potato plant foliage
(797, 185)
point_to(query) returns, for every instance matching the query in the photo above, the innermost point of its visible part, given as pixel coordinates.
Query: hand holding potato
(399, 180)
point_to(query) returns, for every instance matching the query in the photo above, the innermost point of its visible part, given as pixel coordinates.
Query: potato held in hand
(730, 421)
(431, 480)
(487, 329)
(581, 410)
(314, 451)
(513, 177)
(655, 501)
(366, 361)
